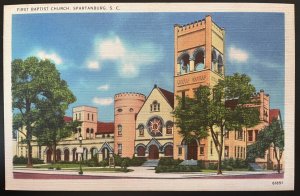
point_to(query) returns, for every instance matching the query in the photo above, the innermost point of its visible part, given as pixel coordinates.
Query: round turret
(127, 105)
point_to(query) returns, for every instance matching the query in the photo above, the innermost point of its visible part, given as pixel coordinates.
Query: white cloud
(103, 87)
(129, 70)
(93, 65)
(50, 56)
(111, 49)
(128, 59)
(239, 55)
(103, 101)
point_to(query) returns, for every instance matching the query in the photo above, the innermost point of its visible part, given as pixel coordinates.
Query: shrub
(137, 161)
(118, 160)
(93, 162)
(234, 163)
(167, 161)
(212, 166)
(124, 164)
(200, 163)
(58, 168)
(177, 168)
(23, 160)
(103, 163)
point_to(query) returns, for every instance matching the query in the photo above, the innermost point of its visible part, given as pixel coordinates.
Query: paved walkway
(144, 173)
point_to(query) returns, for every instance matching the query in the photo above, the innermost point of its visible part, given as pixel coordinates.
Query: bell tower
(199, 49)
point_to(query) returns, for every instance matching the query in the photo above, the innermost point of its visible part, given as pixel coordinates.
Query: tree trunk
(29, 155)
(54, 154)
(219, 171)
(29, 147)
(278, 166)
(278, 159)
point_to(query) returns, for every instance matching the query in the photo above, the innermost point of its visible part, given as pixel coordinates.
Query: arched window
(119, 129)
(58, 155)
(75, 155)
(141, 151)
(184, 64)
(169, 125)
(66, 155)
(155, 106)
(141, 130)
(88, 134)
(85, 154)
(220, 65)
(199, 61)
(92, 133)
(169, 150)
(214, 60)
(93, 152)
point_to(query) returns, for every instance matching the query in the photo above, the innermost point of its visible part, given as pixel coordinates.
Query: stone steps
(150, 163)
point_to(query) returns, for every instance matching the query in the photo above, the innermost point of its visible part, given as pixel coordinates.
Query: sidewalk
(143, 172)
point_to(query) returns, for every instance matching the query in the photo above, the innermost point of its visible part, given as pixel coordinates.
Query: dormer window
(155, 106)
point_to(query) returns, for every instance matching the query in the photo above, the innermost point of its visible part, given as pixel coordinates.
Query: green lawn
(65, 165)
(75, 166)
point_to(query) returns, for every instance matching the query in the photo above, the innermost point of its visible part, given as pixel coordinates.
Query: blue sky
(102, 54)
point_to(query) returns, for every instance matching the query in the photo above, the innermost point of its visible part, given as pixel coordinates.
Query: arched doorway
(58, 155)
(75, 155)
(49, 155)
(141, 151)
(153, 152)
(93, 152)
(66, 155)
(169, 151)
(192, 150)
(105, 153)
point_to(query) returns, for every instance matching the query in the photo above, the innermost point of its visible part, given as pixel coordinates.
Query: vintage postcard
(149, 97)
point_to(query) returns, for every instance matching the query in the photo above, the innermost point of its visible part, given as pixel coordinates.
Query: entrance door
(192, 150)
(153, 152)
(105, 154)
(49, 154)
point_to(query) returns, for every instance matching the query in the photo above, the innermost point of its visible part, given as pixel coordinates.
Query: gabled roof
(168, 95)
(274, 114)
(68, 119)
(105, 127)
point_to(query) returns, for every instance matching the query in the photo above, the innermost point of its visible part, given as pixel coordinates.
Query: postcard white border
(153, 185)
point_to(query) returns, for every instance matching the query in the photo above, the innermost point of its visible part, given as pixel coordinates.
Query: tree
(36, 83)
(51, 129)
(272, 135)
(208, 112)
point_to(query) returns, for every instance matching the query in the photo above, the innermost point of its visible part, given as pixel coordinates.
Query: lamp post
(80, 142)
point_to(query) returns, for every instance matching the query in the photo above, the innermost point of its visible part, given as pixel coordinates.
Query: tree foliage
(208, 113)
(270, 136)
(37, 91)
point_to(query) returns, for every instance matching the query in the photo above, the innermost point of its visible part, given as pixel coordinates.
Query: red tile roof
(68, 119)
(168, 95)
(105, 127)
(274, 114)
